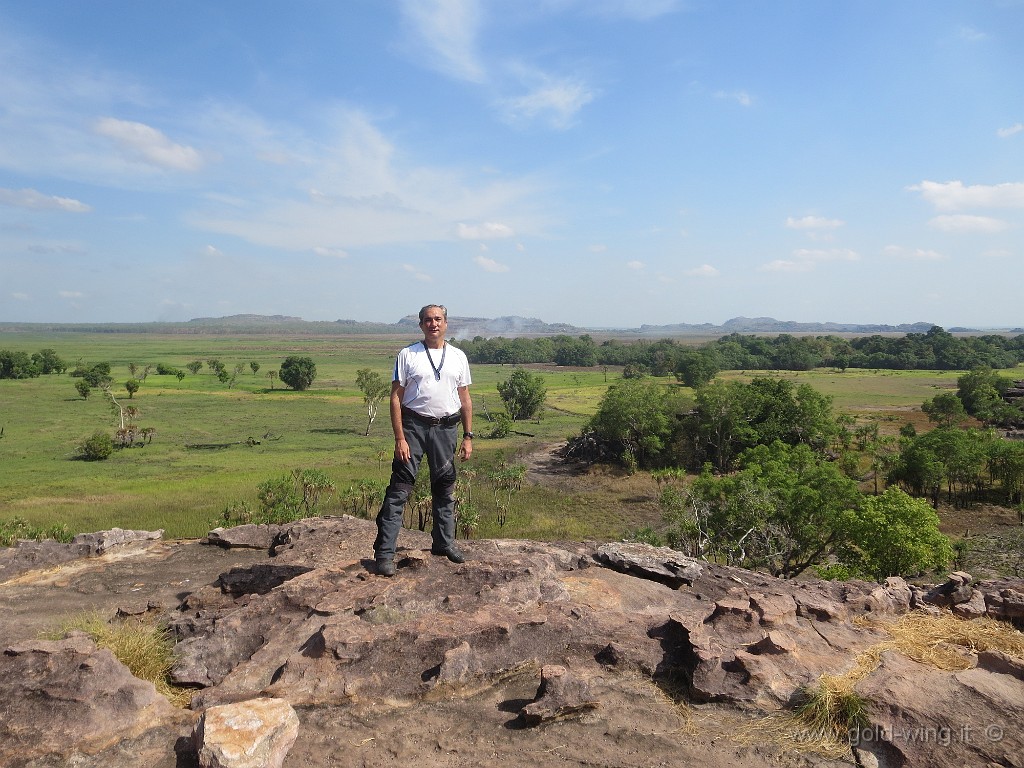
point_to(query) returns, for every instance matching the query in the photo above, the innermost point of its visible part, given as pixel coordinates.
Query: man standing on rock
(429, 398)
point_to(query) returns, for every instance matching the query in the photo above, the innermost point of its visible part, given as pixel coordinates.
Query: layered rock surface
(539, 653)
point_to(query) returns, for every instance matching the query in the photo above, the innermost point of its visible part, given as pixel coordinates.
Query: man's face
(434, 324)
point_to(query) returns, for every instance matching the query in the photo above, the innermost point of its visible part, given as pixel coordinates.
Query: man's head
(442, 307)
(433, 323)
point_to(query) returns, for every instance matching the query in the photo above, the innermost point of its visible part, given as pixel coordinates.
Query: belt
(434, 421)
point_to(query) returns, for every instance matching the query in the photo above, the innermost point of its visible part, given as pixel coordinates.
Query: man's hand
(467, 449)
(402, 450)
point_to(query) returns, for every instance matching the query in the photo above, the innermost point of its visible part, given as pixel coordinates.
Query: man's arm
(467, 421)
(401, 446)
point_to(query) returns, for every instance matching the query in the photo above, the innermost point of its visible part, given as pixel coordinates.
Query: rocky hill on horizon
(530, 653)
(469, 327)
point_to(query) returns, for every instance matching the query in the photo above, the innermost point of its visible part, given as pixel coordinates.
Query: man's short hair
(442, 307)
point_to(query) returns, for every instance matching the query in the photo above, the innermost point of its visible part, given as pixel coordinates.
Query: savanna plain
(213, 443)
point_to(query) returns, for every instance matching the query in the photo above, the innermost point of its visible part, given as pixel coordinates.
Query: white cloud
(704, 270)
(912, 254)
(368, 194)
(953, 195)
(70, 294)
(813, 222)
(146, 143)
(740, 97)
(30, 198)
(962, 222)
(597, 248)
(1005, 133)
(213, 252)
(784, 265)
(806, 259)
(554, 100)
(423, 277)
(448, 29)
(21, 297)
(635, 264)
(487, 231)
(972, 35)
(330, 253)
(489, 265)
(832, 254)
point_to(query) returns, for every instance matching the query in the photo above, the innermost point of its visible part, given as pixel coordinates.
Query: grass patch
(831, 707)
(143, 646)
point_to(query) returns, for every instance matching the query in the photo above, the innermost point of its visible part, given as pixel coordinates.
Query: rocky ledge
(529, 653)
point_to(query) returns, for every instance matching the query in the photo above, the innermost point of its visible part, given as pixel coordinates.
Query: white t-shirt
(432, 383)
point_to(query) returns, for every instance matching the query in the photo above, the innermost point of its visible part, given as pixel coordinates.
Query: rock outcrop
(538, 653)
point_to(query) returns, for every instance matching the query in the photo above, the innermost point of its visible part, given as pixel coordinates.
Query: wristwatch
(467, 435)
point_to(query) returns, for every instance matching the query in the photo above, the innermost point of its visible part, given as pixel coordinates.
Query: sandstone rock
(957, 589)
(244, 536)
(27, 556)
(974, 608)
(249, 734)
(430, 665)
(100, 542)
(658, 563)
(921, 716)
(65, 697)
(561, 694)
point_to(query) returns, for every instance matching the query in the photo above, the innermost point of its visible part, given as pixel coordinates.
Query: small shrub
(96, 448)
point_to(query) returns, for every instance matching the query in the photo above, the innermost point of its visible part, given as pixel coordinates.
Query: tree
(96, 448)
(784, 510)
(894, 535)
(374, 389)
(132, 386)
(83, 389)
(255, 367)
(523, 394)
(298, 372)
(48, 361)
(638, 419)
(696, 367)
(272, 375)
(194, 366)
(945, 409)
(17, 365)
(981, 392)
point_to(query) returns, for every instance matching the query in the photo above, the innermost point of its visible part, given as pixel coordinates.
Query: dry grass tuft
(144, 647)
(832, 707)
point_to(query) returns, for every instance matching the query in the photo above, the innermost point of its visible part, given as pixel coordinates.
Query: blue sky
(604, 163)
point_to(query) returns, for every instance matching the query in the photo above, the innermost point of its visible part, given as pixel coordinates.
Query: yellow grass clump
(832, 707)
(143, 646)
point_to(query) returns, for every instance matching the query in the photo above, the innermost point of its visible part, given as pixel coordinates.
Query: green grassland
(199, 461)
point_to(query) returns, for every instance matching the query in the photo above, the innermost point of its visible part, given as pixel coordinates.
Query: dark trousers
(438, 444)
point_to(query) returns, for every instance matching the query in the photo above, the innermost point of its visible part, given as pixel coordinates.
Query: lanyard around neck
(437, 368)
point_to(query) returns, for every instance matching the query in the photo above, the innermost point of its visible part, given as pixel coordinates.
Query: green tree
(298, 372)
(981, 392)
(48, 361)
(132, 385)
(194, 366)
(696, 367)
(523, 394)
(255, 367)
(784, 510)
(83, 389)
(638, 418)
(374, 388)
(894, 535)
(945, 409)
(96, 448)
